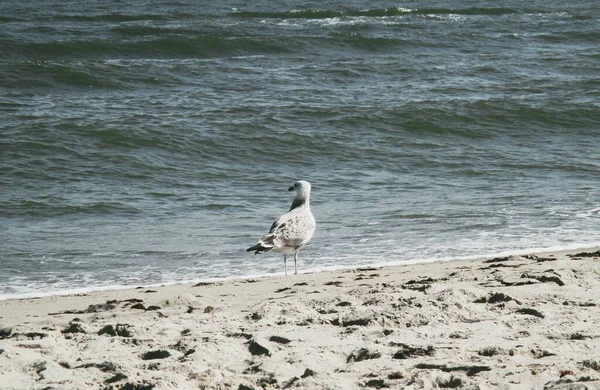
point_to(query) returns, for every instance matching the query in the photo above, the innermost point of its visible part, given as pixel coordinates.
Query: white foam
(316, 269)
(595, 212)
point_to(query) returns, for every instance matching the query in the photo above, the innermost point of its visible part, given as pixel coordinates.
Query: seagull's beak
(291, 188)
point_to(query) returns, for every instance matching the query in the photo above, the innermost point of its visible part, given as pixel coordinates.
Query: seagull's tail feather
(258, 248)
(264, 245)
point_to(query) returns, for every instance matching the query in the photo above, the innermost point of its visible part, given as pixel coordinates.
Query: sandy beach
(518, 322)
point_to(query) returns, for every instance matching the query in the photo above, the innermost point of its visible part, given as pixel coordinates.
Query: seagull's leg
(285, 264)
(295, 263)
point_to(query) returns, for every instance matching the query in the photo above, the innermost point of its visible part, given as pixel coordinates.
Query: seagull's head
(302, 189)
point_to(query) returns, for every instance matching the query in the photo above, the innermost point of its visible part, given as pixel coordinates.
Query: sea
(150, 142)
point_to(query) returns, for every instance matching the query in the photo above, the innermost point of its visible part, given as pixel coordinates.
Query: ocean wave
(93, 73)
(55, 208)
(592, 213)
(140, 29)
(561, 36)
(10, 19)
(41, 74)
(75, 17)
(203, 46)
(377, 13)
(111, 17)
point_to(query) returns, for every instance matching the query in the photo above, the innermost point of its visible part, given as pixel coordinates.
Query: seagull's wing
(292, 230)
(270, 240)
(275, 225)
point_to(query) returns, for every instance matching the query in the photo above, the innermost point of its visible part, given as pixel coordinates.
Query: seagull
(290, 232)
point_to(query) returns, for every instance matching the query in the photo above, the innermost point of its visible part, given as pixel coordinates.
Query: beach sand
(522, 322)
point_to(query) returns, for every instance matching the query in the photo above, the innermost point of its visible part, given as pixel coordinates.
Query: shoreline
(520, 321)
(519, 252)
